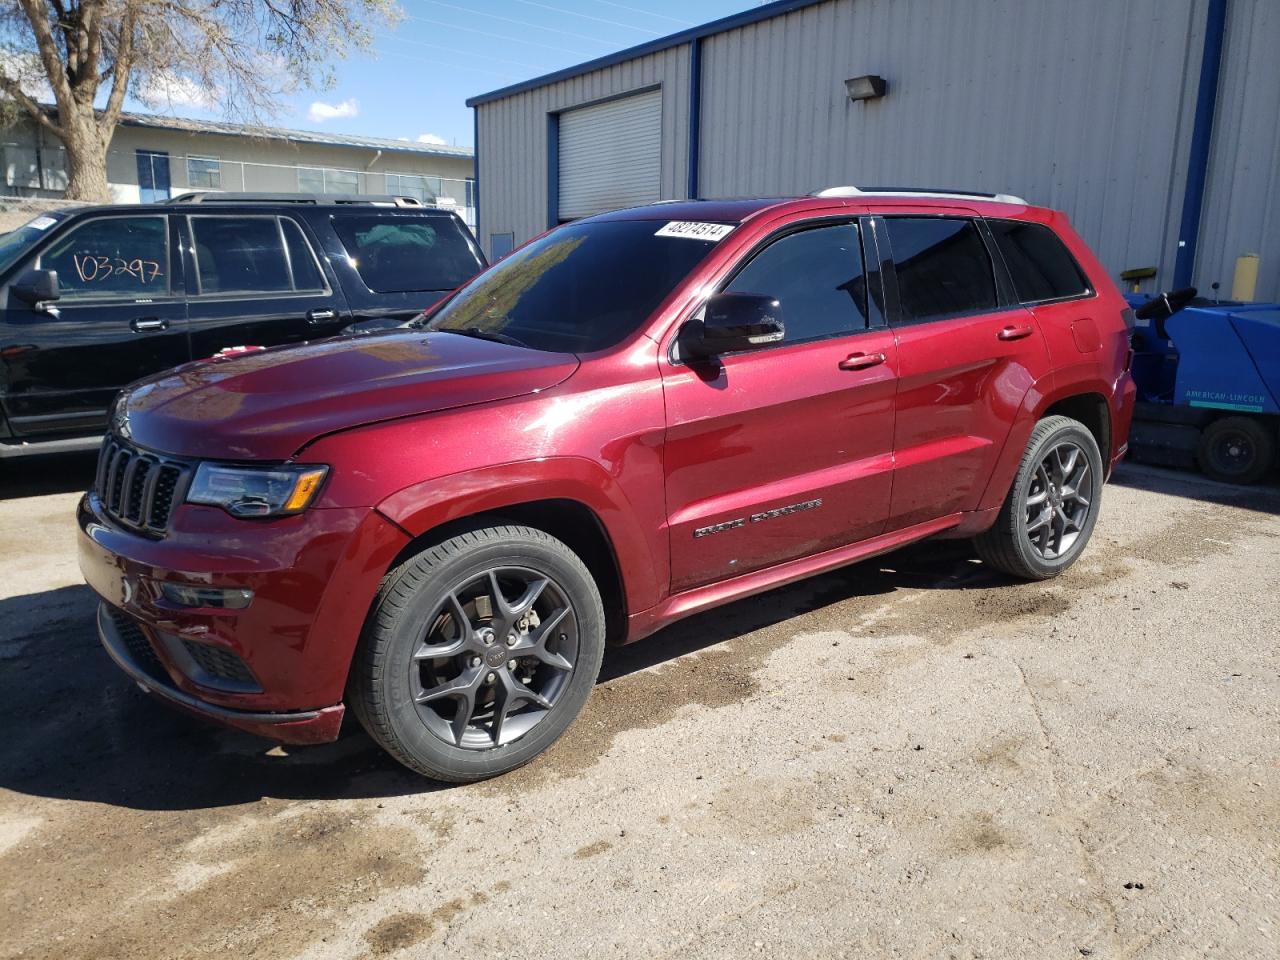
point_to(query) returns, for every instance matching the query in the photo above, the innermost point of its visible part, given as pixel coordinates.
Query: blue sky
(421, 72)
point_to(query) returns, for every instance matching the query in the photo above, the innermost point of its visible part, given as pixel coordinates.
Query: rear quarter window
(1041, 266)
(399, 253)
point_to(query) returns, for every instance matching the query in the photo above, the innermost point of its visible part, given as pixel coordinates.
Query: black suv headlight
(274, 491)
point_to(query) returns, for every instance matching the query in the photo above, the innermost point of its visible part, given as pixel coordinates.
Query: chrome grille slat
(139, 489)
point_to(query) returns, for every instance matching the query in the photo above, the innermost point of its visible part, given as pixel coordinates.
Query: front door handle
(860, 361)
(147, 324)
(1015, 333)
(319, 316)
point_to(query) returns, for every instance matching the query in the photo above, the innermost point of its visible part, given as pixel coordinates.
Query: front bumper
(278, 666)
(303, 726)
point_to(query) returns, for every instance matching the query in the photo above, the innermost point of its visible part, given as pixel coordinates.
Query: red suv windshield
(582, 288)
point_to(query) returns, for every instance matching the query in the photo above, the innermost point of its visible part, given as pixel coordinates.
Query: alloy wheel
(497, 654)
(1058, 500)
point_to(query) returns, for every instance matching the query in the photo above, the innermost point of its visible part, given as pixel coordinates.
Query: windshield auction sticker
(42, 223)
(692, 230)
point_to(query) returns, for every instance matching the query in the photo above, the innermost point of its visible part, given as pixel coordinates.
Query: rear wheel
(1236, 450)
(1052, 507)
(481, 651)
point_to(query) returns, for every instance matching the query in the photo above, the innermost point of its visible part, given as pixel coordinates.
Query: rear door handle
(147, 324)
(1015, 333)
(860, 361)
(319, 316)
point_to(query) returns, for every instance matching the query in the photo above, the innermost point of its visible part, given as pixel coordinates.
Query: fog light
(219, 598)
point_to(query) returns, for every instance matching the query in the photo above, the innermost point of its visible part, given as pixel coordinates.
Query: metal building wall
(1241, 212)
(512, 137)
(1084, 106)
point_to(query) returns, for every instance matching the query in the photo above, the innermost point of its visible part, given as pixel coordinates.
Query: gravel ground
(906, 758)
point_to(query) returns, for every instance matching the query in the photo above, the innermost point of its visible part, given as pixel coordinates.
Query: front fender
(642, 555)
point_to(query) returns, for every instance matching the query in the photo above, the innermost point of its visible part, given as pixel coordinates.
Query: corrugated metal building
(1100, 108)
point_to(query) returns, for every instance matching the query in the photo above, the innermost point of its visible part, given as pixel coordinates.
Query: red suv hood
(266, 406)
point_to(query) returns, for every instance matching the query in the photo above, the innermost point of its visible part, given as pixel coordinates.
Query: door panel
(786, 448)
(784, 452)
(256, 281)
(119, 319)
(967, 358)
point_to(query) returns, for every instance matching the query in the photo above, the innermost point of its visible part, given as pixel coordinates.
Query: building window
(423, 189)
(204, 173)
(324, 180)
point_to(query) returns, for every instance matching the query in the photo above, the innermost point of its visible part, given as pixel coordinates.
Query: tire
(415, 646)
(1236, 450)
(1017, 542)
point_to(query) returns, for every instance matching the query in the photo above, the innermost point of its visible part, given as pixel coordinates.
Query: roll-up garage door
(610, 155)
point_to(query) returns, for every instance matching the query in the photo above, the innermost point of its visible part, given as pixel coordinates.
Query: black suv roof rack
(367, 199)
(917, 192)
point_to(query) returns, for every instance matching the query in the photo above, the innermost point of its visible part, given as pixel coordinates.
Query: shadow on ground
(76, 729)
(1260, 498)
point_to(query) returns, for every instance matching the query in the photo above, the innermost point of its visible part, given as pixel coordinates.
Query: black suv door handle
(860, 361)
(147, 324)
(319, 316)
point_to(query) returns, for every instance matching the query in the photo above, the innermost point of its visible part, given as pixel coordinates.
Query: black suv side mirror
(732, 322)
(37, 286)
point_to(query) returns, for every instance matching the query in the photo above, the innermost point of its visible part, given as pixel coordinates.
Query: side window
(942, 266)
(123, 258)
(817, 276)
(302, 259)
(1041, 265)
(248, 255)
(401, 253)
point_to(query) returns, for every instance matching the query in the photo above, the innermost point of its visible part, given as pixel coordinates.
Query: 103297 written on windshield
(92, 268)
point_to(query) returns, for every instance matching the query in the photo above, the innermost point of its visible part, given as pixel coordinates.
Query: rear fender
(1042, 395)
(642, 560)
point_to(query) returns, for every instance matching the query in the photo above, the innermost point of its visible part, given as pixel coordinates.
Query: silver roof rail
(930, 192)
(369, 199)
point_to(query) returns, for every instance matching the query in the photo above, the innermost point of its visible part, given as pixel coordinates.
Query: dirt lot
(908, 758)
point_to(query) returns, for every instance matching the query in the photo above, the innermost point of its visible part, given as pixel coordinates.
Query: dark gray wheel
(1051, 509)
(481, 651)
(1236, 450)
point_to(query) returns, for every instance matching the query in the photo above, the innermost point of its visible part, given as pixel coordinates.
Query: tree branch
(121, 70)
(47, 45)
(13, 88)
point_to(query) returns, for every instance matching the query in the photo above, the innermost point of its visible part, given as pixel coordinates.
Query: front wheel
(481, 651)
(1052, 507)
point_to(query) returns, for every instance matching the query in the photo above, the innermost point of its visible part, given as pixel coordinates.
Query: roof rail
(933, 192)
(367, 199)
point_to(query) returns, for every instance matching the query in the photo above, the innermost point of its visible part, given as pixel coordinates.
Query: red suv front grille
(139, 489)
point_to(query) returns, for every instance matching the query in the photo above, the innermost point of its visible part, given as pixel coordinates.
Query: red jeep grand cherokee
(632, 418)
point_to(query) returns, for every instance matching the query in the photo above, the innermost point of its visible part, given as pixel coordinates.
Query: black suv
(92, 298)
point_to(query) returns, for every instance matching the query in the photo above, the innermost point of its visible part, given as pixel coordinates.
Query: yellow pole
(1245, 283)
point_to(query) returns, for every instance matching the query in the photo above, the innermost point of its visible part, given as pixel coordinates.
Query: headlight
(256, 491)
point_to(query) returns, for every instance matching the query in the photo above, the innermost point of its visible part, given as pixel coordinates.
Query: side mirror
(732, 322)
(36, 287)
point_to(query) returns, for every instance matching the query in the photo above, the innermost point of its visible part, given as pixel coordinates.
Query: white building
(153, 158)
(1112, 110)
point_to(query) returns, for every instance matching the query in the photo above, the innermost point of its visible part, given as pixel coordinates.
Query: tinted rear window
(943, 267)
(1041, 265)
(399, 253)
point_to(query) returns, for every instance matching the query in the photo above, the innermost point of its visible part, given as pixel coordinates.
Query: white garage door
(610, 155)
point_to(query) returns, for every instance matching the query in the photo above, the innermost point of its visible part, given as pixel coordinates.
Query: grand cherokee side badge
(756, 518)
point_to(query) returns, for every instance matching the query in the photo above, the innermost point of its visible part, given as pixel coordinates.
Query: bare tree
(238, 57)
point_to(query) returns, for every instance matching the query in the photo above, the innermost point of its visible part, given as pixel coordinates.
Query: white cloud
(321, 111)
(432, 139)
(166, 89)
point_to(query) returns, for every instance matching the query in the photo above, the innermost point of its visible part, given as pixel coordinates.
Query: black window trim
(1089, 292)
(175, 292)
(870, 309)
(1005, 301)
(199, 294)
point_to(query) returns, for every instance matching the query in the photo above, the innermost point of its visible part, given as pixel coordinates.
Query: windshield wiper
(479, 334)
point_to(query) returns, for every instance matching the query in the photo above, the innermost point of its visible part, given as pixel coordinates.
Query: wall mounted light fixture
(870, 87)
